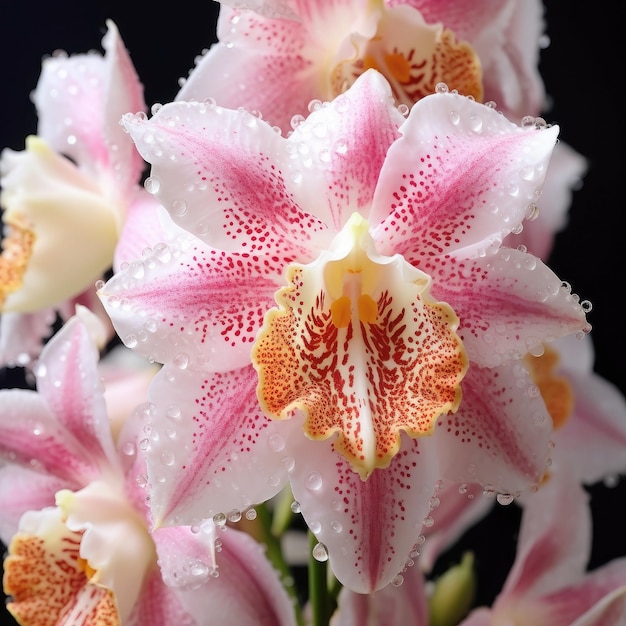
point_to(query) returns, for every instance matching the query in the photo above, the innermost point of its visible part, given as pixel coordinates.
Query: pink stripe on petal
(211, 449)
(193, 303)
(219, 174)
(69, 382)
(500, 435)
(461, 178)
(369, 527)
(508, 303)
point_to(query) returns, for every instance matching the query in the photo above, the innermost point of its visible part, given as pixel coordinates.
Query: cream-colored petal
(115, 544)
(60, 229)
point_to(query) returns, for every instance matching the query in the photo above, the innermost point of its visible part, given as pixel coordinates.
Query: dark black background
(582, 68)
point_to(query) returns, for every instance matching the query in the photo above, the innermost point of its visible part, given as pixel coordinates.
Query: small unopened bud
(453, 594)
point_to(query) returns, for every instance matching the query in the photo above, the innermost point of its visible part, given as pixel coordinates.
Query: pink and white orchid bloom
(341, 314)
(316, 49)
(75, 517)
(548, 584)
(67, 195)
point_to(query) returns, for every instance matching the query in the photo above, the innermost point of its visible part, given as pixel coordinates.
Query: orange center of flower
(413, 56)
(361, 348)
(48, 582)
(555, 390)
(17, 248)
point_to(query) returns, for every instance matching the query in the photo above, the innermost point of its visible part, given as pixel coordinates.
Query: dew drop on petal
(295, 507)
(313, 481)
(505, 498)
(152, 184)
(320, 553)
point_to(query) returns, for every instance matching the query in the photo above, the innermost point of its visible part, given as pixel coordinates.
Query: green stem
(275, 555)
(318, 588)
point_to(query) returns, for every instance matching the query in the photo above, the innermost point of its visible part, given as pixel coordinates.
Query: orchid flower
(75, 518)
(67, 195)
(548, 584)
(485, 51)
(341, 314)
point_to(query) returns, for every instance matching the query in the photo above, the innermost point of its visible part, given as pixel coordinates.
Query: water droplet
(129, 448)
(295, 507)
(173, 411)
(505, 498)
(234, 516)
(336, 526)
(313, 481)
(167, 457)
(441, 88)
(320, 553)
(276, 442)
(181, 360)
(219, 519)
(251, 514)
(152, 184)
(179, 208)
(397, 580)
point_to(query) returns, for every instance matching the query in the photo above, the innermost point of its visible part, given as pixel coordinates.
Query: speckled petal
(192, 305)
(500, 437)
(210, 449)
(221, 175)
(460, 179)
(368, 528)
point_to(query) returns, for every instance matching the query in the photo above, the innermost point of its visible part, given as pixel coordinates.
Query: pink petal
(369, 528)
(24, 489)
(31, 435)
(507, 40)
(461, 170)
(500, 435)
(554, 542)
(342, 149)
(261, 51)
(190, 303)
(22, 336)
(69, 382)
(159, 605)
(564, 176)
(227, 182)
(507, 304)
(459, 507)
(93, 92)
(392, 605)
(592, 443)
(146, 225)
(246, 589)
(210, 449)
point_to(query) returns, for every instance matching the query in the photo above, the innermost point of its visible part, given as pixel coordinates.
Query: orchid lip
(361, 348)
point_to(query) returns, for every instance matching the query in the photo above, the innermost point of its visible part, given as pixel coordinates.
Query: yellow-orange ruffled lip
(358, 344)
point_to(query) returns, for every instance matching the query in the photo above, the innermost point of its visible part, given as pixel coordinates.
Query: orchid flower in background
(359, 216)
(548, 584)
(65, 198)
(75, 517)
(488, 52)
